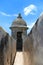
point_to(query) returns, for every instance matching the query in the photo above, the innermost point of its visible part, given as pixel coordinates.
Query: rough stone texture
(34, 44)
(9, 52)
(7, 49)
(28, 51)
(2, 32)
(37, 34)
(27, 58)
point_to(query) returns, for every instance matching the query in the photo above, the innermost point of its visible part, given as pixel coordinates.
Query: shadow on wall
(33, 45)
(37, 34)
(7, 50)
(28, 50)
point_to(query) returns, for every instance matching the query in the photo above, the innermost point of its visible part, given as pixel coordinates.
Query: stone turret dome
(18, 21)
(19, 25)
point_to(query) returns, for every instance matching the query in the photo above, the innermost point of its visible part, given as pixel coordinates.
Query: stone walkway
(19, 59)
(22, 58)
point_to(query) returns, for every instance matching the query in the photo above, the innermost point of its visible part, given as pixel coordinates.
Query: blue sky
(29, 9)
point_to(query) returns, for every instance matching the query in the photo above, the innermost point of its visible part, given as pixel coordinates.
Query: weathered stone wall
(13, 49)
(33, 45)
(2, 34)
(28, 50)
(7, 50)
(37, 34)
(10, 52)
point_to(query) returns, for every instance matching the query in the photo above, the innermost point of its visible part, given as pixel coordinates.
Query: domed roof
(19, 21)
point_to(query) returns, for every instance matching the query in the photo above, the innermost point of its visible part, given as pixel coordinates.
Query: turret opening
(19, 44)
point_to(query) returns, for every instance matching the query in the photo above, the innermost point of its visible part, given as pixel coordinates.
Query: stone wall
(37, 34)
(28, 50)
(33, 45)
(10, 52)
(7, 50)
(2, 34)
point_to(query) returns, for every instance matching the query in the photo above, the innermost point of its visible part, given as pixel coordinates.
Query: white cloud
(31, 9)
(5, 14)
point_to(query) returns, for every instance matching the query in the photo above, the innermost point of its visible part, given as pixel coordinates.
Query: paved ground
(22, 58)
(19, 59)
